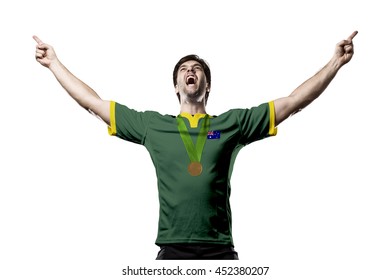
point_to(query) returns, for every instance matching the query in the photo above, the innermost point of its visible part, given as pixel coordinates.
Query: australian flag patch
(214, 134)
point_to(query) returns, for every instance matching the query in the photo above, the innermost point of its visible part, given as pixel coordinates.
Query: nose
(190, 69)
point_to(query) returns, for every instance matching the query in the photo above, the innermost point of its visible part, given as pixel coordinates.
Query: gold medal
(195, 168)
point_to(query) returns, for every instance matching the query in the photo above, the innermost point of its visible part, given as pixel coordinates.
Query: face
(191, 81)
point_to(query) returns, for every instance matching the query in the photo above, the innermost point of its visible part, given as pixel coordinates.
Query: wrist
(335, 64)
(55, 65)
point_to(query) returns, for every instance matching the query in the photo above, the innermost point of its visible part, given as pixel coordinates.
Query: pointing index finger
(37, 40)
(352, 36)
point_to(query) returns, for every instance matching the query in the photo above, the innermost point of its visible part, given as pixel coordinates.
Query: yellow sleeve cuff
(112, 127)
(272, 129)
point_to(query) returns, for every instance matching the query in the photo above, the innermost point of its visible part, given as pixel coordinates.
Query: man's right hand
(44, 54)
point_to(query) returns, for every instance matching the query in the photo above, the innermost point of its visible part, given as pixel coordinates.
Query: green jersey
(193, 209)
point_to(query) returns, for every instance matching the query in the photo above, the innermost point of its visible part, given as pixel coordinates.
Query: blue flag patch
(214, 134)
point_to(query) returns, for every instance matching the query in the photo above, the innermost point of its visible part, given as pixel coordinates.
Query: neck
(193, 108)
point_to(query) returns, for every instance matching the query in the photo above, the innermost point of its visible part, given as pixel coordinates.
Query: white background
(310, 203)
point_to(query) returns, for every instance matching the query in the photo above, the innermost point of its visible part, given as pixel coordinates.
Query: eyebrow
(195, 64)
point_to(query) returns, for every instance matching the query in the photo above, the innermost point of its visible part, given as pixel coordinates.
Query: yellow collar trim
(193, 119)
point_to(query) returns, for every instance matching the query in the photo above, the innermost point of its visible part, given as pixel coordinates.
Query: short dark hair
(201, 61)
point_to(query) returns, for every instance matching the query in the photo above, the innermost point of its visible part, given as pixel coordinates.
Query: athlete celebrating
(194, 152)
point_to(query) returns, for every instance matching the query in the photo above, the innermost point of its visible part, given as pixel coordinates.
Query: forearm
(85, 96)
(315, 86)
(306, 93)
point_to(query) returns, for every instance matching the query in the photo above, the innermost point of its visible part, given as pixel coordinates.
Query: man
(194, 152)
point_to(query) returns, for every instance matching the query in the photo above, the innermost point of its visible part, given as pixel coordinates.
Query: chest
(167, 145)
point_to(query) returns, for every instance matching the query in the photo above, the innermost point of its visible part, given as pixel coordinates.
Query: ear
(207, 88)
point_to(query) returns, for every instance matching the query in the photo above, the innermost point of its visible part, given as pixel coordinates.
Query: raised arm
(85, 96)
(313, 87)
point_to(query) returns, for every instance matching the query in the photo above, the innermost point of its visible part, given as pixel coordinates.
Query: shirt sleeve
(128, 124)
(257, 123)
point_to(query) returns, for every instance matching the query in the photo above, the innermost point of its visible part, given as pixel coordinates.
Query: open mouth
(190, 80)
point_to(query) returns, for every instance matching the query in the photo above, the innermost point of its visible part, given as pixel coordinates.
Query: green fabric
(193, 209)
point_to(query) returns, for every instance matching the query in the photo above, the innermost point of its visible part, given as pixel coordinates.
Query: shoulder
(263, 107)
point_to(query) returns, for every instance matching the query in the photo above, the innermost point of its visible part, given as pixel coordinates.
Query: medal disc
(195, 168)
